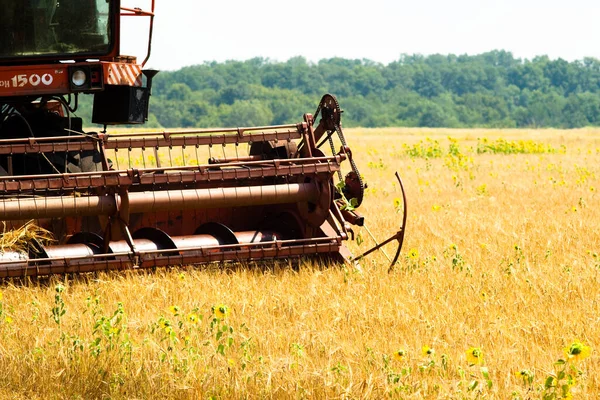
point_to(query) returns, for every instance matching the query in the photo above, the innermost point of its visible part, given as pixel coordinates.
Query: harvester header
(148, 199)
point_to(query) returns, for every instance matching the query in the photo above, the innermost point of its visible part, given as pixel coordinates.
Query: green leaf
(347, 205)
(549, 382)
(473, 385)
(359, 239)
(485, 372)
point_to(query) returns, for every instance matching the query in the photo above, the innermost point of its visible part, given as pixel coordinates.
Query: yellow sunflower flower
(221, 311)
(578, 351)
(413, 254)
(193, 318)
(163, 323)
(427, 351)
(399, 355)
(474, 356)
(525, 375)
(174, 310)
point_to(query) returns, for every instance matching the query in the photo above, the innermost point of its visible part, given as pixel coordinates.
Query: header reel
(151, 199)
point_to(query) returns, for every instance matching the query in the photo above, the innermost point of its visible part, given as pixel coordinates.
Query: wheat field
(496, 294)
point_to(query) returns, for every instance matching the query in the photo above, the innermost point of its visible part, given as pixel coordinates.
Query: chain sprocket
(329, 108)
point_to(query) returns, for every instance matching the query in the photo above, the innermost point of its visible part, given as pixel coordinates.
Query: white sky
(191, 32)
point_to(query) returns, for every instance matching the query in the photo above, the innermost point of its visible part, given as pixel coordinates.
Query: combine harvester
(144, 200)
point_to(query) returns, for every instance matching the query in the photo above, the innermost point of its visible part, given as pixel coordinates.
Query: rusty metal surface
(143, 202)
(45, 145)
(205, 137)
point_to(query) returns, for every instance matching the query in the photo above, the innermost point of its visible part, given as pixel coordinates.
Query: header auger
(150, 199)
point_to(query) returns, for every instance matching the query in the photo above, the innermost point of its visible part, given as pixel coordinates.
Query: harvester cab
(98, 201)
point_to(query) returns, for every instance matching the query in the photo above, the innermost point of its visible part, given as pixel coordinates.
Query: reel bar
(31, 147)
(45, 139)
(185, 174)
(82, 142)
(299, 127)
(124, 142)
(227, 160)
(151, 201)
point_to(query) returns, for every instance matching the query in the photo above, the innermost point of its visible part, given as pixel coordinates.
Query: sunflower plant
(224, 331)
(475, 357)
(559, 385)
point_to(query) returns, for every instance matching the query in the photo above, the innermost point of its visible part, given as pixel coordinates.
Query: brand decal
(28, 80)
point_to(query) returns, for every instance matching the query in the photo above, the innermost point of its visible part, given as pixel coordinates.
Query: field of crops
(496, 295)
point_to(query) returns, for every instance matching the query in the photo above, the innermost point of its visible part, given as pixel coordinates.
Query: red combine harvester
(150, 199)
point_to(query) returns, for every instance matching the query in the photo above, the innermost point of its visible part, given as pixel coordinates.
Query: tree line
(493, 89)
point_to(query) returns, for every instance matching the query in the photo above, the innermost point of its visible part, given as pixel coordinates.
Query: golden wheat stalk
(20, 239)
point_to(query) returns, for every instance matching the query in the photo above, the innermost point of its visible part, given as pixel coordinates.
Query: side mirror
(149, 74)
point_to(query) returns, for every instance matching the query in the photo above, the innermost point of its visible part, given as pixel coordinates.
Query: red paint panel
(34, 80)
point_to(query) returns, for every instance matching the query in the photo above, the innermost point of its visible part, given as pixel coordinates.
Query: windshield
(30, 28)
